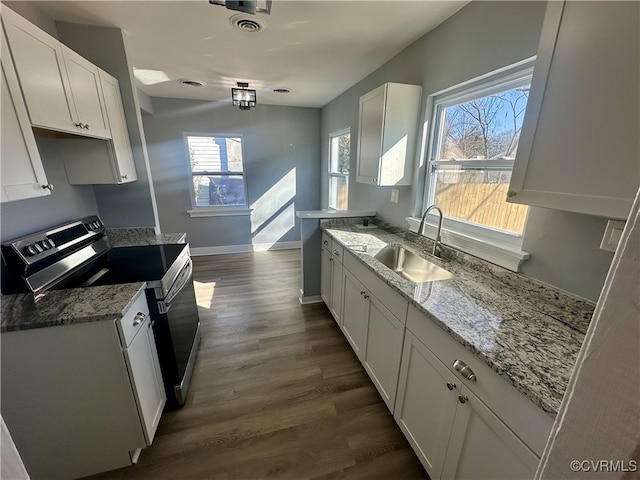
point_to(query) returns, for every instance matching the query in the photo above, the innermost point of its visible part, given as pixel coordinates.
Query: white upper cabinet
(22, 173)
(579, 147)
(84, 80)
(387, 132)
(60, 88)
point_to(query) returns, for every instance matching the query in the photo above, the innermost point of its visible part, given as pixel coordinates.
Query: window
(474, 139)
(339, 157)
(217, 170)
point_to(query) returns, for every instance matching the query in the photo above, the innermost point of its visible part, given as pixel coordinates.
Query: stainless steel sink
(411, 266)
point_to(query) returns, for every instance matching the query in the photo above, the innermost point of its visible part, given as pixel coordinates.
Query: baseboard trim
(258, 247)
(309, 299)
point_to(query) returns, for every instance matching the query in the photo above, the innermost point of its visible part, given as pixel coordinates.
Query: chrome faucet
(438, 234)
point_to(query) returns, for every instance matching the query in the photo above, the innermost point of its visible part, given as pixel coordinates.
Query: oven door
(177, 332)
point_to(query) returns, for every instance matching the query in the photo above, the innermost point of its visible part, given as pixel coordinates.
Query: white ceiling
(315, 48)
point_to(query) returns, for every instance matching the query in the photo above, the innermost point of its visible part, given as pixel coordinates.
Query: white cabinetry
(82, 398)
(22, 174)
(452, 421)
(60, 88)
(89, 161)
(387, 131)
(371, 323)
(331, 276)
(579, 147)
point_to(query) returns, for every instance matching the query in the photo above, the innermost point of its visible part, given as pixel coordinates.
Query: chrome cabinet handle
(138, 319)
(464, 370)
(325, 242)
(451, 386)
(463, 398)
(48, 186)
(86, 126)
(79, 125)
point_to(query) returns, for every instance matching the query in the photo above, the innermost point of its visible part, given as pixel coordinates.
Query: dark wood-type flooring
(277, 391)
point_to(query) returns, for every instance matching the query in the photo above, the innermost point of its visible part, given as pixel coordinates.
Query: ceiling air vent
(191, 83)
(246, 23)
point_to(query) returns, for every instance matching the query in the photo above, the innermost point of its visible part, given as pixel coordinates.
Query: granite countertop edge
(68, 307)
(546, 396)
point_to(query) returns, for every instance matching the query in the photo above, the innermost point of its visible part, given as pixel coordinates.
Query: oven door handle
(181, 281)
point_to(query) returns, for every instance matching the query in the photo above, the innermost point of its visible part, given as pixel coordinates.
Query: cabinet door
(483, 447)
(126, 170)
(371, 124)
(22, 173)
(41, 71)
(87, 96)
(579, 146)
(146, 379)
(336, 289)
(354, 313)
(425, 407)
(325, 276)
(385, 334)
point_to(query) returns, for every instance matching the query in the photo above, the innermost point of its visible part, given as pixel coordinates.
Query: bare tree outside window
(473, 154)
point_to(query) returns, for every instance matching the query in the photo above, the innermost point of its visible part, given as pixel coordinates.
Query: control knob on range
(31, 250)
(45, 244)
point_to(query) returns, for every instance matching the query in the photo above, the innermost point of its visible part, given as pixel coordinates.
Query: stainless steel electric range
(78, 254)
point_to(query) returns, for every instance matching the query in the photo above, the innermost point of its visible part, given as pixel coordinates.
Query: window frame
(497, 81)
(331, 174)
(216, 210)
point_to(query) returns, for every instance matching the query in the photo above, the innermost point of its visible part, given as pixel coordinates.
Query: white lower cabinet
(383, 350)
(83, 398)
(354, 313)
(331, 277)
(454, 434)
(426, 404)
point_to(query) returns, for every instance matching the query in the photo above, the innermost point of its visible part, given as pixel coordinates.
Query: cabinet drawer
(133, 319)
(392, 300)
(522, 416)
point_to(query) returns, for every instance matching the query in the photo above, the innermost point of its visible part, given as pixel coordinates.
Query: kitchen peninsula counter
(527, 332)
(66, 307)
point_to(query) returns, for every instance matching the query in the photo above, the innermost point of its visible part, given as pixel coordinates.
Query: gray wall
(67, 202)
(280, 144)
(481, 37)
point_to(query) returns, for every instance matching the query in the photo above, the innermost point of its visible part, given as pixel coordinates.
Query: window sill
(219, 212)
(505, 256)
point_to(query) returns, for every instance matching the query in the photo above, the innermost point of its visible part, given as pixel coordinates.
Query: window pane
(479, 197)
(338, 192)
(483, 129)
(218, 190)
(340, 154)
(215, 154)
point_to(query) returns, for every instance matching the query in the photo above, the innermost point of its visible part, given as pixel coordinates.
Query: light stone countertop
(65, 307)
(134, 237)
(527, 332)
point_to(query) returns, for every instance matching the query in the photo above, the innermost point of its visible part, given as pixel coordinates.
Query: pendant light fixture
(243, 97)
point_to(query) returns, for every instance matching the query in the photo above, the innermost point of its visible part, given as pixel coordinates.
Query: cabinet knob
(366, 296)
(124, 177)
(362, 292)
(464, 370)
(451, 386)
(48, 186)
(86, 126)
(375, 180)
(463, 398)
(336, 253)
(511, 193)
(330, 259)
(325, 242)
(79, 125)
(138, 319)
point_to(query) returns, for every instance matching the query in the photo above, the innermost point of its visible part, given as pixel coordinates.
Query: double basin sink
(411, 266)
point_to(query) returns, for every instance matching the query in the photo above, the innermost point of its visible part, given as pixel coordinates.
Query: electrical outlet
(394, 195)
(612, 235)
